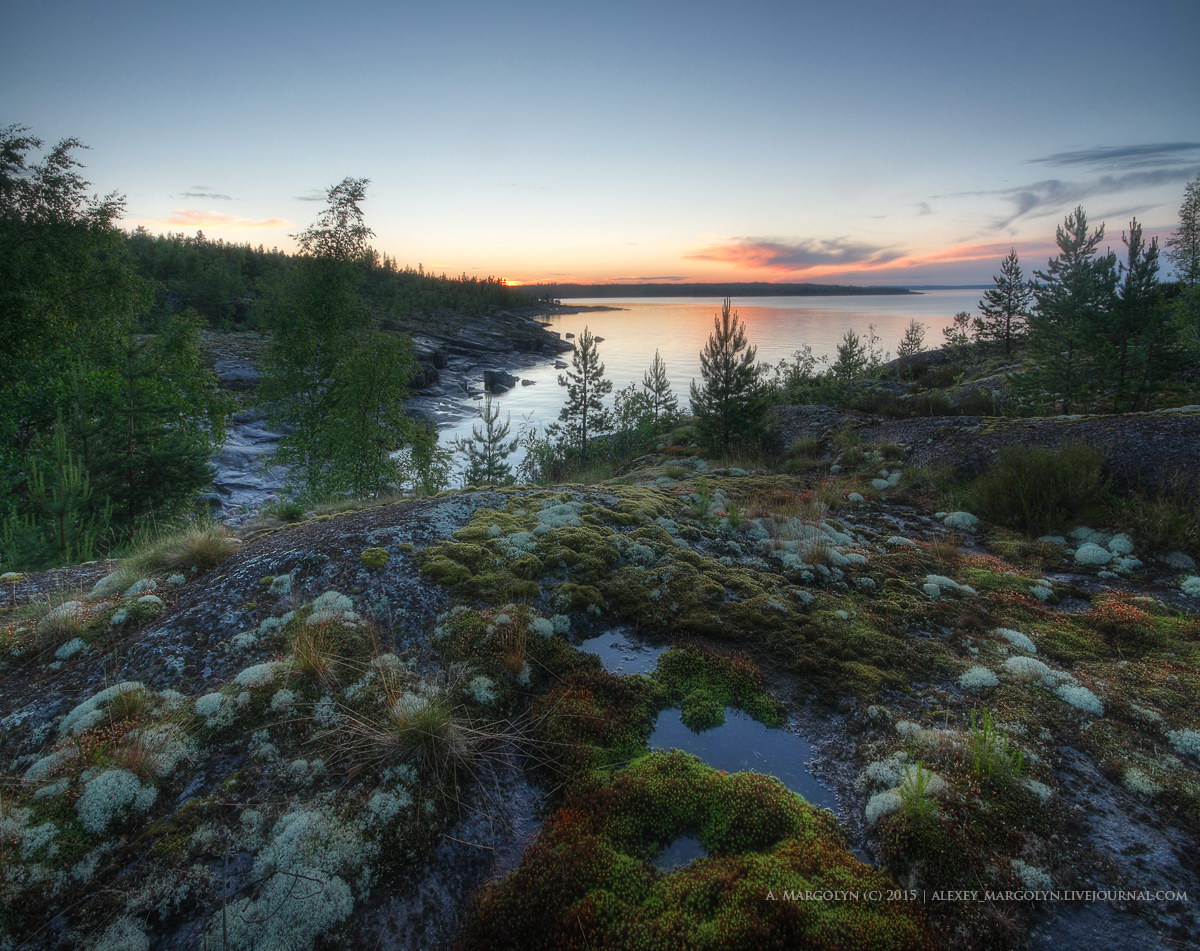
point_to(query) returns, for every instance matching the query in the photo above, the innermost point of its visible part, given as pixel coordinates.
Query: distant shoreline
(759, 289)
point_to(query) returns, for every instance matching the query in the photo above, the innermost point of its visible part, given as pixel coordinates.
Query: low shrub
(1166, 520)
(1035, 489)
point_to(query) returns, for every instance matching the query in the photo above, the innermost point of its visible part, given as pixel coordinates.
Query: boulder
(498, 381)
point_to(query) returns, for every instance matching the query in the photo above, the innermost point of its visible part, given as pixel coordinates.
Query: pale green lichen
(333, 607)
(1185, 742)
(217, 710)
(307, 871)
(70, 648)
(1028, 669)
(1080, 697)
(1040, 790)
(113, 794)
(978, 678)
(482, 690)
(882, 804)
(1089, 553)
(259, 675)
(91, 711)
(124, 934)
(1018, 640)
(1032, 878)
(1137, 781)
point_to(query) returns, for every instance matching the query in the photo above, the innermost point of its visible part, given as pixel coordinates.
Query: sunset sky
(876, 143)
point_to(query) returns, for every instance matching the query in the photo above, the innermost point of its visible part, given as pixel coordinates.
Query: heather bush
(1034, 489)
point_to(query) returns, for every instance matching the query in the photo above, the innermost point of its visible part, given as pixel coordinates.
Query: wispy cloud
(1054, 194)
(196, 218)
(1126, 157)
(315, 194)
(204, 192)
(1116, 169)
(923, 209)
(778, 254)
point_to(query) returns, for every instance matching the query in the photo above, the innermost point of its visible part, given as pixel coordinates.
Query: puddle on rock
(681, 852)
(622, 655)
(743, 744)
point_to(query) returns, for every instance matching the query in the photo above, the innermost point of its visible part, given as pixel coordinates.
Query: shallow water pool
(742, 743)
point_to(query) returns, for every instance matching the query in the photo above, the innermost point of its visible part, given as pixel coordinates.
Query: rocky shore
(457, 361)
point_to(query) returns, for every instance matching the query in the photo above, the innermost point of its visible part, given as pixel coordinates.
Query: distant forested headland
(231, 285)
(753, 289)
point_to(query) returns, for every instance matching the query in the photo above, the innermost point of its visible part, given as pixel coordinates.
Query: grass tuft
(199, 545)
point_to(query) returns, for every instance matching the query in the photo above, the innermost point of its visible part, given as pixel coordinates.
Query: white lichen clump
(259, 675)
(882, 804)
(91, 711)
(978, 678)
(1080, 697)
(124, 934)
(112, 795)
(1028, 669)
(1089, 553)
(307, 871)
(1185, 742)
(1137, 781)
(1018, 640)
(1033, 878)
(963, 521)
(217, 709)
(482, 690)
(935, 585)
(70, 648)
(332, 607)
(1191, 586)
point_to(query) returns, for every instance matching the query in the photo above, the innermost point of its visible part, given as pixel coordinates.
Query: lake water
(679, 326)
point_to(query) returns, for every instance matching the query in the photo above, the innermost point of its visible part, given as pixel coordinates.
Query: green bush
(1035, 489)
(1164, 521)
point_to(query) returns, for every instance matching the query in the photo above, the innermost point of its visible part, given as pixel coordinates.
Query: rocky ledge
(1143, 450)
(382, 728)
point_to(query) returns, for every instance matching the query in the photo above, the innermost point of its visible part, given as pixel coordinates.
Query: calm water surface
(679, 327)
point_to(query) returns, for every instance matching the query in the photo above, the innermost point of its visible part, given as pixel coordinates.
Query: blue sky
(875, 143)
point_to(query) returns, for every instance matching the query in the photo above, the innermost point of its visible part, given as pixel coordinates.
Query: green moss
(374, 557)
(704, 682)
(588, 877)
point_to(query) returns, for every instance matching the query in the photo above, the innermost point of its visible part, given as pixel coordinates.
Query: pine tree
(488, 448)
(913, 341)
(851, 357)
(140, 415)
(1183, 247)
(1138, 348)
(335, 382)
(1075, 296)
(1005, 307)
(61, 522)
(731, 404)
(656, 388)
(583, 416)
(152, 425)
(958, 334)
